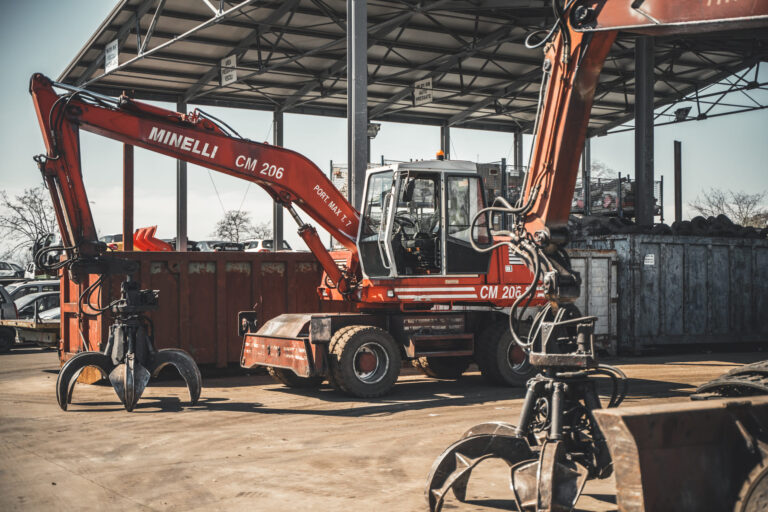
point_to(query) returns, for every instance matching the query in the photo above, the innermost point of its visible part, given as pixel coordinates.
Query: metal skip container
(200, 296)
(684, 290)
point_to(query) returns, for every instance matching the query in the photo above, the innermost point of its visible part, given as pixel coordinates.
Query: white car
(264, 245)
(8, 270)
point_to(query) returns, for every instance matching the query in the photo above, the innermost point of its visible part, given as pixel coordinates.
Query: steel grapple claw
(130, 377)
(185, 365)
(72, 369)
(129, 380)
(454, 466)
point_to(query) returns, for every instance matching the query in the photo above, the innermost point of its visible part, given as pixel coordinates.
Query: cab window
(416, 225)
(371, 229)
(464, 200)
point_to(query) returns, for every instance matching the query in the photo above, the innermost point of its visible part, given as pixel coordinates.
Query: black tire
(364, 361)
(290, 379)
(753, 496)
(502, 362)
(7, 339)
(442, 367)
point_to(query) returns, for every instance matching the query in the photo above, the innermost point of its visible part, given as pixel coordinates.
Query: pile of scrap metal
(720, 226)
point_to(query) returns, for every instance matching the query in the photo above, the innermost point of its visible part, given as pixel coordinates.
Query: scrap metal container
(683, 290)
(200, 296)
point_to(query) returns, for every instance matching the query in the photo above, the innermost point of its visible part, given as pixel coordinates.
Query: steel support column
(678, 181)
(504, 189)
(586, 175)
(277, 208)
(181, 195)
(445, 141)
(518, 152)
(357, 100)
(127, 197)
(644, 79)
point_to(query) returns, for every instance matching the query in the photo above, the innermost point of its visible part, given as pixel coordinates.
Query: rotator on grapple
(129, 357)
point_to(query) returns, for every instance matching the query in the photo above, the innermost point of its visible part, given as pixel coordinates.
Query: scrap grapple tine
(452, 469)
(71, 370)
(185, 365)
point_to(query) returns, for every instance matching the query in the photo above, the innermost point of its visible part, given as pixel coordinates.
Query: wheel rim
(371, 363)
(516, 358)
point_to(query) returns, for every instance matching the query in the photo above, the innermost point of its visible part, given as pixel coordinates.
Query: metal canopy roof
(291, 57)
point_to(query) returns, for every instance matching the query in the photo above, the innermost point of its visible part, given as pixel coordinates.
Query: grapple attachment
(556, 446)
(130, 377)
(129, 358)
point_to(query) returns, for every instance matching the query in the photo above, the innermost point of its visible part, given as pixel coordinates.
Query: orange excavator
(420, 263)
(697, 457)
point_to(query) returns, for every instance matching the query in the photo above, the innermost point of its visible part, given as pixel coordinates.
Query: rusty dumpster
(200, 296)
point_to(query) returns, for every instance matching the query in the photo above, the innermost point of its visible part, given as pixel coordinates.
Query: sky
(729, 152)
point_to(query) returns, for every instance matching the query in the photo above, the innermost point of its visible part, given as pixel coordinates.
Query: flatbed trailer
(17, 332)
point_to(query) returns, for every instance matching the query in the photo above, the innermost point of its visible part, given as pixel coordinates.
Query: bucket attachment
(692, 456)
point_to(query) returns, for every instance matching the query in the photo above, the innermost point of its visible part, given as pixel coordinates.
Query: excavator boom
(287, 176)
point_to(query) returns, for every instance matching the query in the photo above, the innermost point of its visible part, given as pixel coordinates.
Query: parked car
(7, 306)
(28, 305)
(20, 289)
(51, 315)
(114, 242)
(7, 270)
(264, 245)
(192, 246)
(219, 245)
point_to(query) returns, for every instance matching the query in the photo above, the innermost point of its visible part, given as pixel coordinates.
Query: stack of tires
(720, 226)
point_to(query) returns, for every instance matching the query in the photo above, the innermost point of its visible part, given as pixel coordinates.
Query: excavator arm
(290, 178)
(573, 59)
(548, 469)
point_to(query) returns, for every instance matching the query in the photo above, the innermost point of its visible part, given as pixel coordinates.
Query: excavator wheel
(290, 379)
(501, 361)
(364, 361)
(442, 367)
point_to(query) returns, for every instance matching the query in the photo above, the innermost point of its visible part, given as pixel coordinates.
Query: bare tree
(741, 207)
(24, 219)
(262, 230)
(235, 226)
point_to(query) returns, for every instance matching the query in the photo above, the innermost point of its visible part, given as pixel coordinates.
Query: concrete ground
(251, 444)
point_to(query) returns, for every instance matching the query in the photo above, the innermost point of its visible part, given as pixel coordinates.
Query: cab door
(375, 226)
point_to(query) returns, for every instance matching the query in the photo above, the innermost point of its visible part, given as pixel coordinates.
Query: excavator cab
(416, 220)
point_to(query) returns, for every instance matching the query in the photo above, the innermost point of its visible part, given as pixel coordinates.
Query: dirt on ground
(251, 444)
